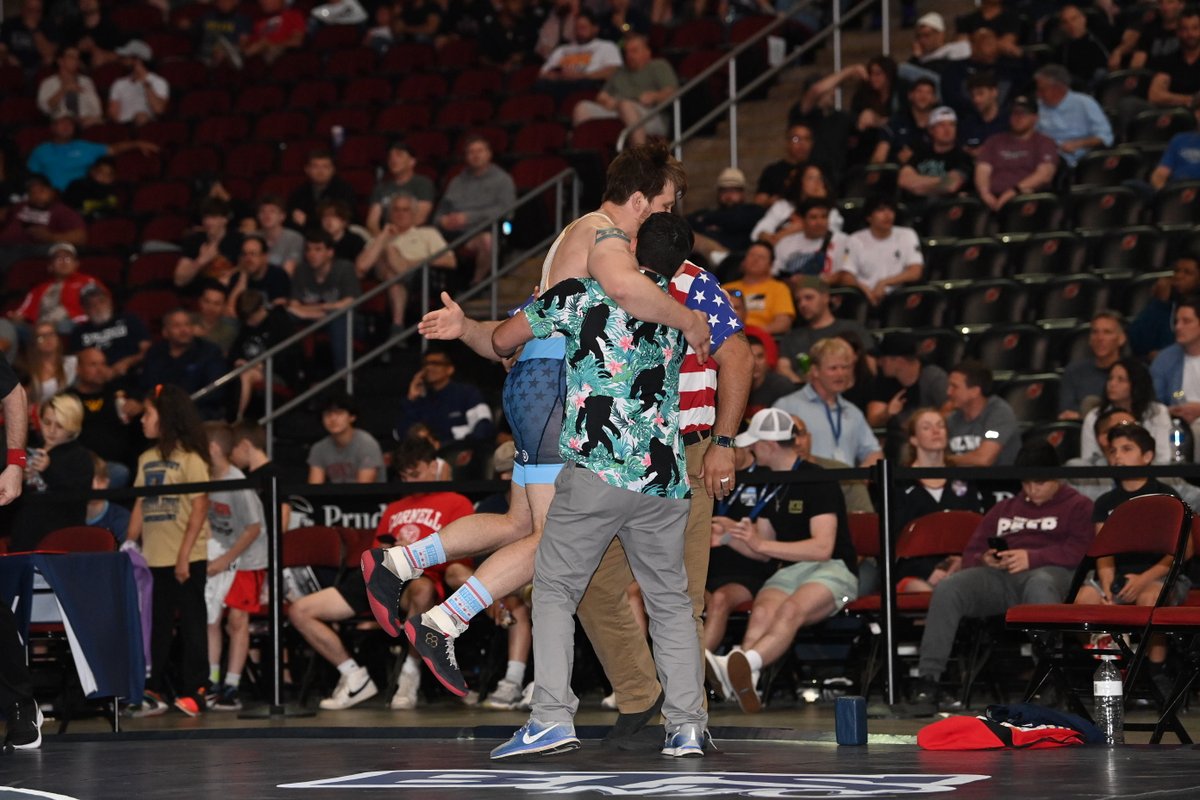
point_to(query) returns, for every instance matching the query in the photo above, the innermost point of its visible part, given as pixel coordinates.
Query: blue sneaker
(684, 741)
(539, 738)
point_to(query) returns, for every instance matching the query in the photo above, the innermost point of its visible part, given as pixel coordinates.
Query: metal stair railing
(729, 62)
(561, 184)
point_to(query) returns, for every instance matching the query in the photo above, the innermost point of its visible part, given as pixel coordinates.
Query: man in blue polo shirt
(839, 429)
(1181, 161)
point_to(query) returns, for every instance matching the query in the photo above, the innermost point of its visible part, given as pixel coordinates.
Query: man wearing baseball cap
(60, 299)
(726, 228)
(1017, 162)
(938, 167)
(802, 529)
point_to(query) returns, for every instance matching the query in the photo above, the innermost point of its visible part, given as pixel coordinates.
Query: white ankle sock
(515, 673)
(347, 666)
(411, 665)
(438, 617)
(756, 662)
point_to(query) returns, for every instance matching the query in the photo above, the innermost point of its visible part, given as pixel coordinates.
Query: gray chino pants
(585, 515)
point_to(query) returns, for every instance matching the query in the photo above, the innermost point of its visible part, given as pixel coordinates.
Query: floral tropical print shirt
(622, 402)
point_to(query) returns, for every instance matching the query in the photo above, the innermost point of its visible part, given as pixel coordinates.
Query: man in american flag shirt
(707, 428)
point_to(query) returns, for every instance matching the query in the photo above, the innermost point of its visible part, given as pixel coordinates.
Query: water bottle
(338, 134)
(1109, 703)
(1178, 438)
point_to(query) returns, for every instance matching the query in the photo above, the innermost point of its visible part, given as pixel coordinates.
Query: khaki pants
(608, 620)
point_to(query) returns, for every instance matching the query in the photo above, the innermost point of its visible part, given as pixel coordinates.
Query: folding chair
(1155, 523)
(313, 546)
(942, 534)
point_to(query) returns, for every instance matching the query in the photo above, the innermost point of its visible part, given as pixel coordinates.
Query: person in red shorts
(237, 569)
(403, 522)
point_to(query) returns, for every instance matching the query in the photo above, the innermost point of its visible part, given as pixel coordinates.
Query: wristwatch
(722, 441)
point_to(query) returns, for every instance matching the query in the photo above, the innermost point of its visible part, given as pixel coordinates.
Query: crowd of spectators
(881, 264)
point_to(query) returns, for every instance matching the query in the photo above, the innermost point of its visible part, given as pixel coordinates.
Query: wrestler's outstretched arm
(451, 323)
(511, 334)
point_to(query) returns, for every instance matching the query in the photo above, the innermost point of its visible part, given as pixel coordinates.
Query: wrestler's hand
(11, 483)
(698, 335)
(444, 323)
(717, 471)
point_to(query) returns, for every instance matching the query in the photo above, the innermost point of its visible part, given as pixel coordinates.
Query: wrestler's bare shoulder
(571, 260)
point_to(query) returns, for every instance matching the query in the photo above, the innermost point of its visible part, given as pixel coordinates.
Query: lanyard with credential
(761, 504)
(835, 427)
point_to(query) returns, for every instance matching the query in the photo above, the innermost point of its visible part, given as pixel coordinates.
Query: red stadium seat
(523, 79)
(250, 160)
(259, 99)
(30, 137)
(421, 88)
(596, 134)
(109, 270)
(368, 91)
(165, 228)
(169, 44)
(362, 150)
(403, 118)
(279, 126)
(335, 37)
(463, 114)
(539, 138)
(193, 162)
(295, 153)
(524, 108)
(349, 64)
(117, 233)
(149, 305)
(477, 83)
(107, 133)
(351, 120)
(429, 145)
(183, 75)
(296, 65)
(529, 173)
(202, 103)
(457, 54)
(312, 94)
(18, 110)
(135, 166)
(158, 196)
(496, 137)
(697, 34)
(362, 180)
(136, 19)
(165, 133)
(79, 539)
(221, 130)
(152, 270)
(282, 185)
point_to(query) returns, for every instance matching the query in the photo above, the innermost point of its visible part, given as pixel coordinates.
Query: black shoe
(625, 731)
(437, 651)
(384, 588)
(922, 697)
(1165, 686)
(24, 725)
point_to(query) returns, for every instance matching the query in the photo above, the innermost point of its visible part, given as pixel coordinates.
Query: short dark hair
(984, 79)
(339, 208)
(1134, 433)
(975, 373)
(924, 81)
(251, 431)
(472, 138)
(249, 303)
(412, 451)
(272, 200)
(770, 248)
(340, 400)
(876, 202)
(644, 168)
(215, 207)
(320, 153)
(254, 237)
(1107, 412)
(809, 203)
(213, 285)
(315, 235)
(1192, 301)
(663, 242)
(583, 13)
(1036, 453)
(104, 161)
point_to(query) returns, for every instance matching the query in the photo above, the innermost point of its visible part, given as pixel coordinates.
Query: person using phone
(1047, 528)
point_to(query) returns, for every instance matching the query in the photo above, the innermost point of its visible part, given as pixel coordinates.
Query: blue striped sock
(426, 552)
(469, 600)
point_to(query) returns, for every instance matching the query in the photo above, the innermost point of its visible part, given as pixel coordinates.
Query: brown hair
(644, 168)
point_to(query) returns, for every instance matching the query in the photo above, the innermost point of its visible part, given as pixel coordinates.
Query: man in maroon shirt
(31, 228)
(1017, 162)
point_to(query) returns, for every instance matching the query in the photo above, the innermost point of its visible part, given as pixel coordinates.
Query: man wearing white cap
(141, 95)
(939, 167)
(802, 529)
(929, 41)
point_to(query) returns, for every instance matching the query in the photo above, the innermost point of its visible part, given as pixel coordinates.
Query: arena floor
(442, 750)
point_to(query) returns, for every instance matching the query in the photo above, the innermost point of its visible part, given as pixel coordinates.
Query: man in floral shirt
(625, 475)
